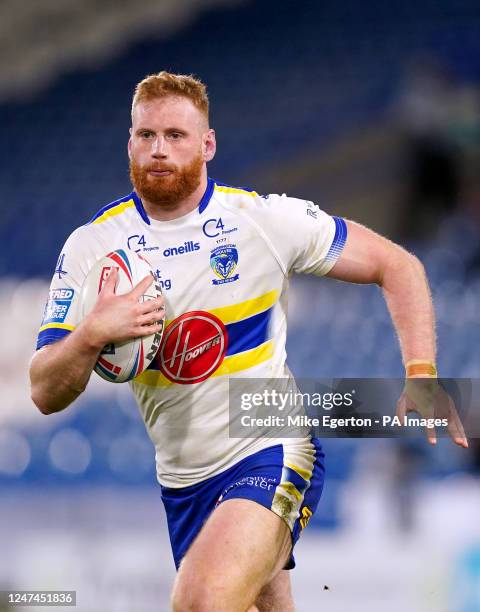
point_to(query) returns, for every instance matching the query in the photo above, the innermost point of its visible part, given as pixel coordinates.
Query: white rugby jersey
(224, 270)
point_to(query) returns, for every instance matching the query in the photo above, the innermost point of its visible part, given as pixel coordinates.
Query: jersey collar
(206, 196)
(139, 207)
(201, 207)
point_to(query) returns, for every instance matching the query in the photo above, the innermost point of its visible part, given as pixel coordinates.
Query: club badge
(223, 261)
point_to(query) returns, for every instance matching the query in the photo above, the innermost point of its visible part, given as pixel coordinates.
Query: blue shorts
(288, 482)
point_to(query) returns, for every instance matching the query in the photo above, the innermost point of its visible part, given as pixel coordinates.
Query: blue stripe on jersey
(242, 335)
(248, 333)
(338, 240)
(109, 206)
(235, 187)
(206, 196)
(139, 207)
(49, 336)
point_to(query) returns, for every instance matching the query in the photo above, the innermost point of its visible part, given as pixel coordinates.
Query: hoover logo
(193, 348)
(188, 247)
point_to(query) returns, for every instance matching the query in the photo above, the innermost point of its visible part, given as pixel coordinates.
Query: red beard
(170, 189)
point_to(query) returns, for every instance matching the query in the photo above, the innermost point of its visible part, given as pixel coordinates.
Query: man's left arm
(369, 258)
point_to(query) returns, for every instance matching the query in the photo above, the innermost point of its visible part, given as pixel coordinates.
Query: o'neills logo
(193, 348)
(187, 247)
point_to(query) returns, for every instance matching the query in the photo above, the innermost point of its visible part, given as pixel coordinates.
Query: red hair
(165, 84)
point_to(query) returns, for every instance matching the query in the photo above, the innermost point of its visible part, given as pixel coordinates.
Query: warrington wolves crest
(223, 261)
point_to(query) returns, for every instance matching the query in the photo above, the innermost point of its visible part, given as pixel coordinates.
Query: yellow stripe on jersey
(245, 360)
(224, 189)
(230, 365)
(56, 326)
(152, 378)
(243, 310)
(115, 210)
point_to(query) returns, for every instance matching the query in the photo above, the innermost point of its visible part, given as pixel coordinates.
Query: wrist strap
(420, 367)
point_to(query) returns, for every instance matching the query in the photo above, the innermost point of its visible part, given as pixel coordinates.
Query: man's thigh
(240, 549)
(276, 596)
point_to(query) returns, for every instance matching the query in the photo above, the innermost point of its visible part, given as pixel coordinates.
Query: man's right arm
(60, 372)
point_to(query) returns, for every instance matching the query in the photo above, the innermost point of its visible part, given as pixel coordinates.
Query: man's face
(169, 145)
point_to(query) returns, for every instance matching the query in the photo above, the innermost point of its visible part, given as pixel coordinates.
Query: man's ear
(209, 145)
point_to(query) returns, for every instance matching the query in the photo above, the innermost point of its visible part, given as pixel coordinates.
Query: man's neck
(178, 209)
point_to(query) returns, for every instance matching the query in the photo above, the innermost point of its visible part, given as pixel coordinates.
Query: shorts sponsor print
(288, 480)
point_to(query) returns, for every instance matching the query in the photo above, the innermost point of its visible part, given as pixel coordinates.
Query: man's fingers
(148, 329)
(435, 403)
(157, 304)
(142, 287)
(154, 316)
(431, 435)
(455, 427)
(402, 407)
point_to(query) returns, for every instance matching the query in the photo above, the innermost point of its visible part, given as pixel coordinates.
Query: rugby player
(235, 506)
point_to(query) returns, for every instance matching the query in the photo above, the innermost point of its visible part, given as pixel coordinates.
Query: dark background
(369, 109)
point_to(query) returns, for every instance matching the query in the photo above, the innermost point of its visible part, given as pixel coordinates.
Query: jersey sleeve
(62, 310)
(306, 238)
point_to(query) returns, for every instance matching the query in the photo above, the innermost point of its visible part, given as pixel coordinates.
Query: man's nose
(159, 148)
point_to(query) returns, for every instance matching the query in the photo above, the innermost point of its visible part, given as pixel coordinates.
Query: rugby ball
(122, 361)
